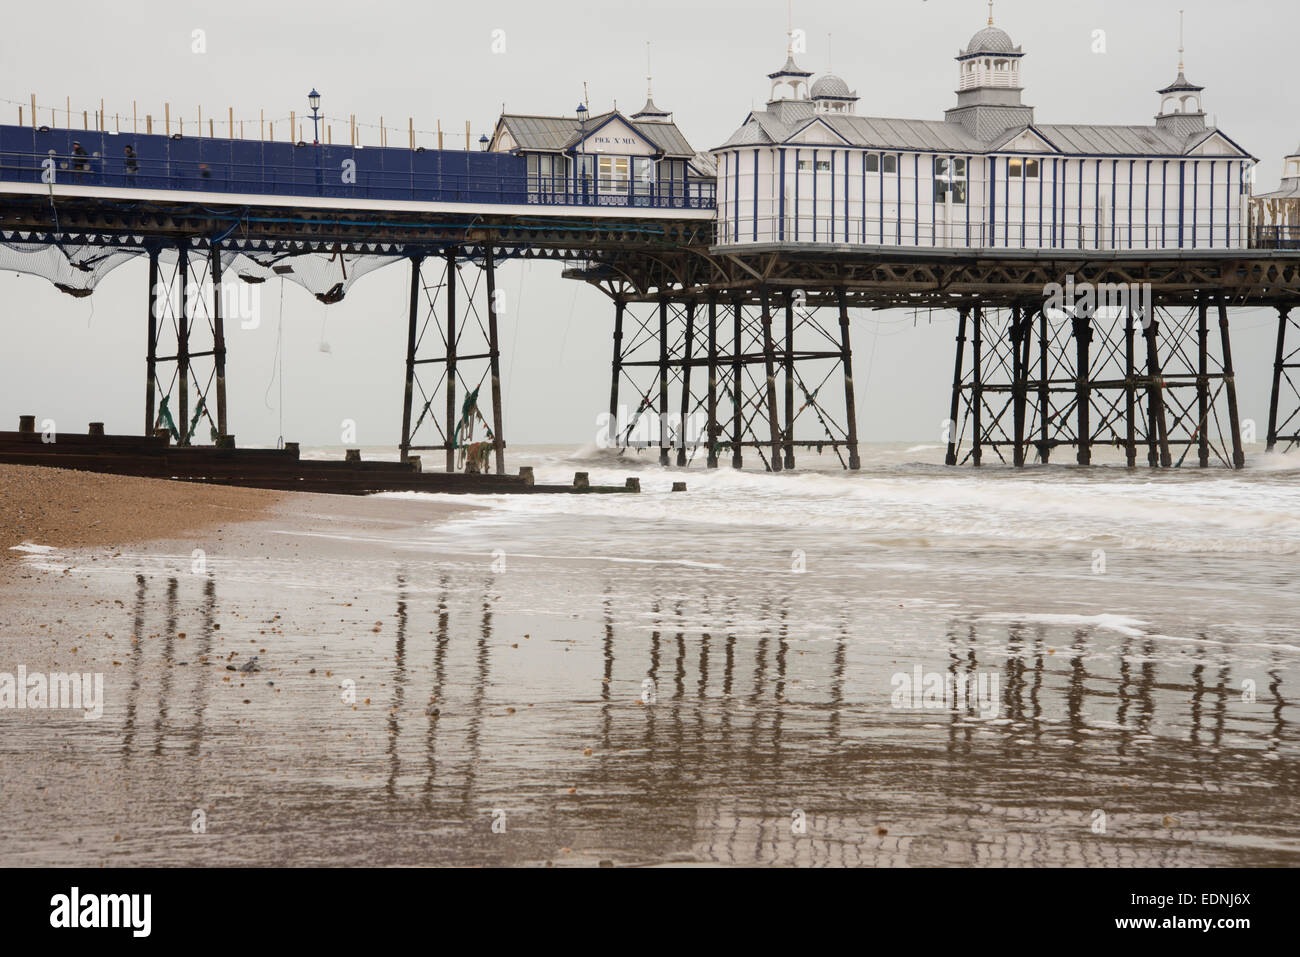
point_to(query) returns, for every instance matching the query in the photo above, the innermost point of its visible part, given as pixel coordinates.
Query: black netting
(328, 276)
(75, 270)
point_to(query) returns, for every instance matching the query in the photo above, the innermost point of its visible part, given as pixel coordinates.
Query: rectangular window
(889, 163)
(1022, 168)
(613, 174)
(642, 175)
(805, 164)
(949, 179)
(823, 165)
(873, 162)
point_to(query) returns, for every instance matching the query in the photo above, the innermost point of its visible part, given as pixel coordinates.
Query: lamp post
(313, 98)
(582, 143)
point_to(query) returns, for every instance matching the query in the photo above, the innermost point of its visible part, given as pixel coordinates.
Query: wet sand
(443, 684)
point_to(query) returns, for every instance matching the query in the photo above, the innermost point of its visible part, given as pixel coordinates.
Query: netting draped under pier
(74, 269)
(77, 268)
(327, 276)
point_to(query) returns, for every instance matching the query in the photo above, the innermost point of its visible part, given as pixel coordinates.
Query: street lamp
(313, 98)
(483, 142)
(582, 144)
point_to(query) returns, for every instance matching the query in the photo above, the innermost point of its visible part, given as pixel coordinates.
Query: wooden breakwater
(279, 469)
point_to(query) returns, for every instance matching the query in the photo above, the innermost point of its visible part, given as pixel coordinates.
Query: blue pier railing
(1277, 237)
(255, 167)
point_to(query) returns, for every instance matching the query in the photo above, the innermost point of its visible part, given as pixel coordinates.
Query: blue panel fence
(213, 165)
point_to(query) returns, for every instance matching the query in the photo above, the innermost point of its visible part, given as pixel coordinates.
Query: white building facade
(809, 170)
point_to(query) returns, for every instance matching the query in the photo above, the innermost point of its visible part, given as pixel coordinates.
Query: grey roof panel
(554, 133)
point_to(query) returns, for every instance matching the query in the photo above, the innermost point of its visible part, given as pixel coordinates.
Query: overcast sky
(75, 360)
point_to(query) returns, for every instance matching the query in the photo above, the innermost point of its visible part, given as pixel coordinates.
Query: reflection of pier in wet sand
(712, 736)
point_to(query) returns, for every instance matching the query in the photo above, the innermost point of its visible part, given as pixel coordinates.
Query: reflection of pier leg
(151, 355)
(1230, 382)
(954, 429)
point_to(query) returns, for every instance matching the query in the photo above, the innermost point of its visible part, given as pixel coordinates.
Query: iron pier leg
(1044, 391)
(963, 314)
(737, 412)
(451, 360)
(409, 399)
(663, 381)
(1203, 384)
(1230, 380)
(1130, 389)
(218, 342)
(1158, 435)
(769, 364)
(1283, 317)
(1083, 386)
(686, 382)
(1020, 380)
(151, 355)
(616, 372)
(789, 381)
(977, 389)
(494, 353)
(713, 431)
(850, 405)
(183, 344)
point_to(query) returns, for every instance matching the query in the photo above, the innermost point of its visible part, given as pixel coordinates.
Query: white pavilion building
(809, 170)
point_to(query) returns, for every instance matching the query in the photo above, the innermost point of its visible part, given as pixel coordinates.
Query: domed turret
(989, 85)
(993, 40)
(830, 94)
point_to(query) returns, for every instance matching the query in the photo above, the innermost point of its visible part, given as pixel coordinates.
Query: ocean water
(910, 665)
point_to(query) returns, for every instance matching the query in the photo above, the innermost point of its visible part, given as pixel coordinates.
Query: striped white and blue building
(808, 170)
